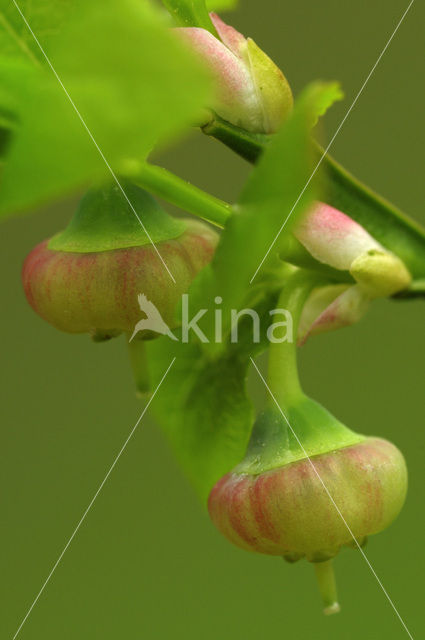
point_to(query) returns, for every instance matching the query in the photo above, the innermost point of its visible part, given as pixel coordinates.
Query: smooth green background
(146, 562)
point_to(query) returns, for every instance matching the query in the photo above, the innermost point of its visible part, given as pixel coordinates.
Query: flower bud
(332, 307)
(88, 279)
(252, 92)
(333, 238)
(288, 512)
(314, 505)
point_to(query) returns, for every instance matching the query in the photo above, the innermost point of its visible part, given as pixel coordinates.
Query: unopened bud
(332, 307)
(333, 237)
(252, 92)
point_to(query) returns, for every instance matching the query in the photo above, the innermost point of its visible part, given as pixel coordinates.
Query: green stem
(138, 360)
(283, 378)
(397, 231)
(327, 586)
(248, 145)
(186, 196)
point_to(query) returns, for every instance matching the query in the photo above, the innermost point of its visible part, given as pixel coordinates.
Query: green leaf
(130, 79)
(327, 99)
(202, 406)
(221, 5)
(190, 13)
(18, 49)
(45, 19)
(13, 74)
(271, 196)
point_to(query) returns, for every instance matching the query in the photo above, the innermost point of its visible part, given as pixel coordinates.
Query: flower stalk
(166, 185)
(327, 586)
(283, 378)
(139, 365)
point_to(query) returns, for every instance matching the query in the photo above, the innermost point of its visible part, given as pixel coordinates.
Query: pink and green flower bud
(287, 512)
(332, 307)
(308, 487)
(334, 239)
(252, 92)
(88, 278)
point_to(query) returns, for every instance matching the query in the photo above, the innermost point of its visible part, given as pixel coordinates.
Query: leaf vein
(18, 38)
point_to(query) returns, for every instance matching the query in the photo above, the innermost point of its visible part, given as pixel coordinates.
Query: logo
(277, 332)
(153, 320)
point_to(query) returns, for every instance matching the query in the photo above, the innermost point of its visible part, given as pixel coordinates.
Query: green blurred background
(147, 563)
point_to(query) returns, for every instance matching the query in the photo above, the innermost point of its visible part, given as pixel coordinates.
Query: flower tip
(380, 273)
(333, 608)
(229, 36)
(272, 87)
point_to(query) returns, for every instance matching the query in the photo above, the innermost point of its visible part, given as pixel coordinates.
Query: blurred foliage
(133, 85)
